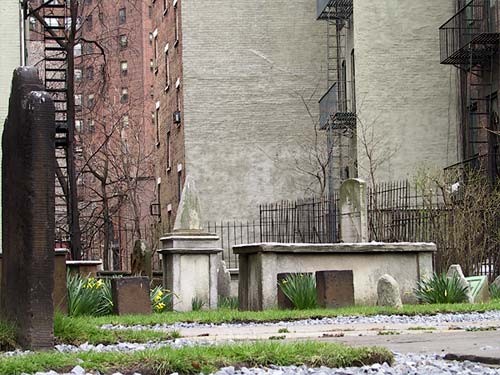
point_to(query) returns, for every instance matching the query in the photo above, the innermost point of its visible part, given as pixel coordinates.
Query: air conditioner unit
(177, 117)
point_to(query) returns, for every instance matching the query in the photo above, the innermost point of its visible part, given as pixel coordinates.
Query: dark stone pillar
(28, 170)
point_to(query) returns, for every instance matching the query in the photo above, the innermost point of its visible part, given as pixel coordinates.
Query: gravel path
(420, 320)
(410, 364)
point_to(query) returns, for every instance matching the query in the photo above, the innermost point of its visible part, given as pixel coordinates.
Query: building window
(150, 11)
(91, 125)
(78, 75)
(125, 121)
(32, 24)
(77, 50)
(78, 100)
(90, 101)
(157, 123)
(88, 48)
(179, 183)
(123, 68)
(88, 2)
(123, 41)
(78, 125)
(151, 64)
(165, 6)
(124, 95)
(155, 50)
(122, 16)
(169, 157)
(90, 73)
(101, 17)
(167, 68)
(89, 23)
(176, 18)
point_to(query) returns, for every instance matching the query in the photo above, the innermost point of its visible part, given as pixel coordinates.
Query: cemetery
(297, 304)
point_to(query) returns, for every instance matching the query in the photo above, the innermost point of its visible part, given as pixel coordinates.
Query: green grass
(235, 316)
(191, 360)
(77, 330)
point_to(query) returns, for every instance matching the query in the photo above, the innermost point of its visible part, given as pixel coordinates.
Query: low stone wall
(259, 265)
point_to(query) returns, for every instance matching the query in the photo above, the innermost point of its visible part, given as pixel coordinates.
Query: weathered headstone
(130, 295)
(479, 288)
(353, 211)
(28, 170)
(60, 295)
(496, 282)
(141, 260)
(335, 288)
(456, 271)
(223, 280)
(388, 292)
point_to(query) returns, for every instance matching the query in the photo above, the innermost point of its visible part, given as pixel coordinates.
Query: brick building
(113, 132)
(235, 93)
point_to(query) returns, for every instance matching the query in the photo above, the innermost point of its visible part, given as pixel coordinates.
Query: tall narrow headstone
(28, 170)
(353, 211)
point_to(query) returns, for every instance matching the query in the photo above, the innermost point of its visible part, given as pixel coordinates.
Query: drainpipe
(22, 36)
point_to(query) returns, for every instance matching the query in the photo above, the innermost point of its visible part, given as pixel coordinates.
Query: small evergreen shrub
(88, 296)
(301, 290)
(441, 289)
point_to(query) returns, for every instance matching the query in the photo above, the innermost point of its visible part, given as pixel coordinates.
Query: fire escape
(337, 106)
(469, 40)
(55, 17)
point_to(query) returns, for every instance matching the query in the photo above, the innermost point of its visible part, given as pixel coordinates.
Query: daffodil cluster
(93, 283)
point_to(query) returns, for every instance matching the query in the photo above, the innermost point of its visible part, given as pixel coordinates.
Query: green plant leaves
(300, 289)
(441, 289)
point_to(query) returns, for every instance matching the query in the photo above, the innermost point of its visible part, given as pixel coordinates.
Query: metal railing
(337, 103)
(471, 34)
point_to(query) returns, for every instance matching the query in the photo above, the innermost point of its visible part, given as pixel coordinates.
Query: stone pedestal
(190, 261)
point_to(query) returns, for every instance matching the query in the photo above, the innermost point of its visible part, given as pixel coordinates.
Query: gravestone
(388, 292)
(130, 295)
(28, 170)
(353, 211)
(335, 288)
(479, 288)
(496, 282)
(190, 255)
(141, 260)
(456, 271)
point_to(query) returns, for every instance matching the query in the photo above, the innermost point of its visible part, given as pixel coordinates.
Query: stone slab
(368, 247)
(131, 295)
(335, 288)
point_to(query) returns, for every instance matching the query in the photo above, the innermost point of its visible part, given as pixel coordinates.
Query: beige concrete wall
(403, 93)
(246, 65)
(10, 58)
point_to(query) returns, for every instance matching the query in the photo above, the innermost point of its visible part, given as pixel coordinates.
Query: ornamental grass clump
(161, 299)
(300, 289)
(441, 289)
(88, 296)
(494, 291)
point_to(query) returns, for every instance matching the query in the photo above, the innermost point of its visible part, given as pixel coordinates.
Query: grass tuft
(193, 360)
(301, 290)
(441, 289)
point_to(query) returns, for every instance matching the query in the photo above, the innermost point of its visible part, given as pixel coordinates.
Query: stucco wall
(245, 66)
(10, 56)
(403, 93)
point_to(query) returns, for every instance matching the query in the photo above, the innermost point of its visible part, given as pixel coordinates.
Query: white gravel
(421, 320)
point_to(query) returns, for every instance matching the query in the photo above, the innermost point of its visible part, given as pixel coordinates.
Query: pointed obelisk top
(188, 217)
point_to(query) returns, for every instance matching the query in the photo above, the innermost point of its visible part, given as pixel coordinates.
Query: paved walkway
(481, 344)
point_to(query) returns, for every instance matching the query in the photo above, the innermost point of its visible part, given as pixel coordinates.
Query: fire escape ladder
(55, 14)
